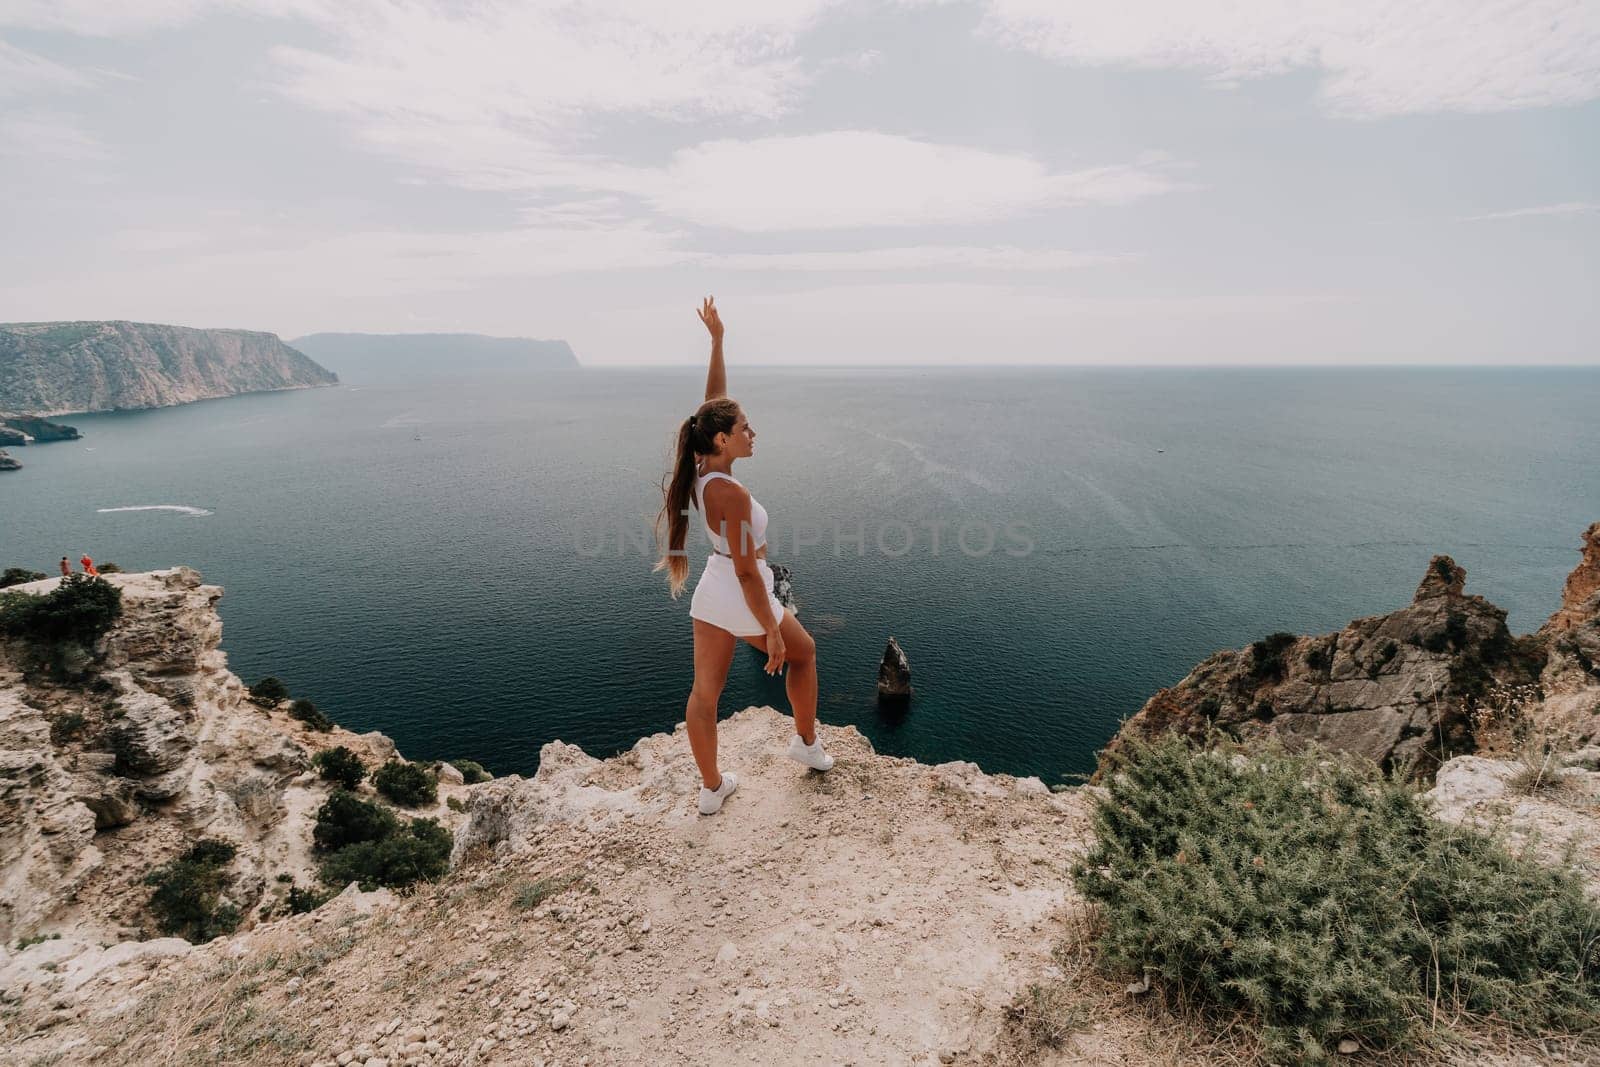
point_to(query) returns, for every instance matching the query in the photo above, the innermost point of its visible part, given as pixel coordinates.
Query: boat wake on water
(181, 509)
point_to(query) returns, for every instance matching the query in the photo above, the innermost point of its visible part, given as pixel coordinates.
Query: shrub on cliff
(18, 576)
(419, 852)
(340, 765)
(346, 819)
(406, 783)
(80, 609)
(1266, 656)
(269, 691)
(188, 889)
(472, 772)
(311, 715)
(1320, 899)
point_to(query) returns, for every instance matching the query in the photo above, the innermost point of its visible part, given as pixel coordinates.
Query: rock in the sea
(7, 463)
(36, 430)
(783, 586)
(894, 674)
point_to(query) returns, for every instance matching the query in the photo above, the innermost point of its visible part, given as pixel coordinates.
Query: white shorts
(719, 598)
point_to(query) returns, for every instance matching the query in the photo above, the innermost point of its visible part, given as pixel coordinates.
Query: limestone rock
(1396, 688)
(1580, 598)
(163, 749)
(894, 673)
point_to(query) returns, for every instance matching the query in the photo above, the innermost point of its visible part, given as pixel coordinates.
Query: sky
(1121, 182)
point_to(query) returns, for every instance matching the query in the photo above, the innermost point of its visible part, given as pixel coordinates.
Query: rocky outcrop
(894, 674)
(1399, 688)
(51, 368)
(1580, 598)
(23, 430)
(7, 463)
(116, 759)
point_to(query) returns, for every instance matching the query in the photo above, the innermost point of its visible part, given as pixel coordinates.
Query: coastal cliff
(885, 912)
(52, 368)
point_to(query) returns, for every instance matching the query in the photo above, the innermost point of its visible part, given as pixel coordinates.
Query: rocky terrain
(49, 368)
(885, 912)
(139, 752)
(1408, 689)
(7, 463)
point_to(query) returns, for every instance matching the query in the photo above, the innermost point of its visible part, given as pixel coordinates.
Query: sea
(466, 565)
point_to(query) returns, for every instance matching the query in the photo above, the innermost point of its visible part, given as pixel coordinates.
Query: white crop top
(758, 514)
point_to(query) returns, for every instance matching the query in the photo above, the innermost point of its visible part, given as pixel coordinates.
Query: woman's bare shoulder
(724, 492)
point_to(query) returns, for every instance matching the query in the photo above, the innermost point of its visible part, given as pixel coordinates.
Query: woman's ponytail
(696, 437)
(672, 525)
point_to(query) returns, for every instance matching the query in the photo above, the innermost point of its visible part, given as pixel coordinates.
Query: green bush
(269, 691)
(340, 765)
(406, 783)
(420, 852)
(308, 713)
(1321, 899)
(472, 772)
(19, 576)
(187, 890)
(1266, 656)
(299, 901)
(80, 609)
(346, 819)
(108, 568)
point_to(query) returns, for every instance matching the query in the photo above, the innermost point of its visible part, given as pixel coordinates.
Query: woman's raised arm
(717, 376)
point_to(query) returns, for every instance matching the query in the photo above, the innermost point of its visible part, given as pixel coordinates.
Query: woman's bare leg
(713, 652)
(799, 671)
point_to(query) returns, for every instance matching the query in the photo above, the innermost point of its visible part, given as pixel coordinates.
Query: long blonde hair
(696, 437)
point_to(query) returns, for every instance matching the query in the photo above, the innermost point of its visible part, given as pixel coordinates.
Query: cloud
(47, 136)
(918, 257)
(1377, 58)
(96, 18)
(1572, 208)
(24, 72)
(855, 178)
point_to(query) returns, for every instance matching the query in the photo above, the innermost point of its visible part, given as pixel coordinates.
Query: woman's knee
(703, 702)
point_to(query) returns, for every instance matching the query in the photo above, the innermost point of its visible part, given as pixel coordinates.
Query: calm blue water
(461, 566)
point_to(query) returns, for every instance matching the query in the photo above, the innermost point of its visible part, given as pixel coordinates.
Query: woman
(733, 598)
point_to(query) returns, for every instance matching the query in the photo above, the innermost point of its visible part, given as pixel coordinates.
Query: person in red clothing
(88, 565)
(66, 568)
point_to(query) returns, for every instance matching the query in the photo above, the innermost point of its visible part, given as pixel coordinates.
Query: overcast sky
(1020, 181)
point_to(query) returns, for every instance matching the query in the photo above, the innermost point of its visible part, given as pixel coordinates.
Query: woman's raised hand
(708, 315)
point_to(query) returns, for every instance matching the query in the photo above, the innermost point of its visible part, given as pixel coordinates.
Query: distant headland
(391, 358)
(55, 368)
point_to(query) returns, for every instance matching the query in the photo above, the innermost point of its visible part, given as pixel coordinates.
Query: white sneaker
(711, 799)
(811, 755)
